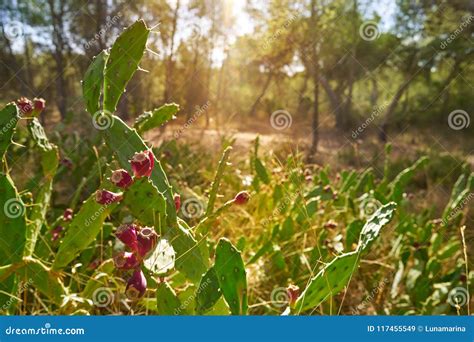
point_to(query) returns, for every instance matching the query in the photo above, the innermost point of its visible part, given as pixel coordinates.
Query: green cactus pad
(156, 117)
(335, 275)
(145, 202)
(232, 277)
(208, 292)
(122, 63)
(82, 230)
(8, 119)
(167, 302)
(92, 82)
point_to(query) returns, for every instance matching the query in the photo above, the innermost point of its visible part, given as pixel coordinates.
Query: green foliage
(156, 118)
(167, 302)
(9, 117)
(208, 292)
(93, 80)
(232, 277)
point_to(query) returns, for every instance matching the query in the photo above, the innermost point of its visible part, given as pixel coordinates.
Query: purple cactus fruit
(121, 178)
(136, 285)
(67, 215)
(147, 240)
(106, 197)
(142, 163)
(242, 198)
(177, 202)
(127, 233)
(25, 106)
(293, 292)
(56, 233)
(126, 261)
(38, 106)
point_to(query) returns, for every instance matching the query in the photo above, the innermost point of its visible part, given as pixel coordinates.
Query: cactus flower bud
(293, 292)
(127, 233)
(242, 198)
(143, 163)
(136, 285)
(106, 197)
(38, 106)
(25, 106)
(177, 202)
(121, 178)
(147, 240)
(67, 216)
(126, 261)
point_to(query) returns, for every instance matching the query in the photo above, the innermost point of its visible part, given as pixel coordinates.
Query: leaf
(217, 180)
(156, 118)
(122, 63)
(397, 186)
(82, 230)
(167, 302)
(93, 81)
(328, 282)
(9, 117)
(208, 292)
(261, 171)
(232, 277)
(375, 223)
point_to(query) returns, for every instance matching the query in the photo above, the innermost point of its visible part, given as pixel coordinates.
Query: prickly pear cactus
(93, 80)
(122, 63)
(231, 276)
(82, 230)
(9, 117)
(167, 302)
(208, 292)
(335, 275)
(156, 117)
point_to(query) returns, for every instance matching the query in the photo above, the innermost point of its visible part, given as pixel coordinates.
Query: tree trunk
(169, 63)
(315, 121)
(253, 109)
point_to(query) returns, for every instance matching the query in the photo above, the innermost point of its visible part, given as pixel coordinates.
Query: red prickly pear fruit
(127, 233)
(147, 240)
(56, 233)
(38, 106)
(242, 197)
(68, 213)
(106, 197)
(66, 162)
(25, 106)
(121, 178)
(126, 261)
(177, 202)
(293, 292)
(142, 163)
(136, 285)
